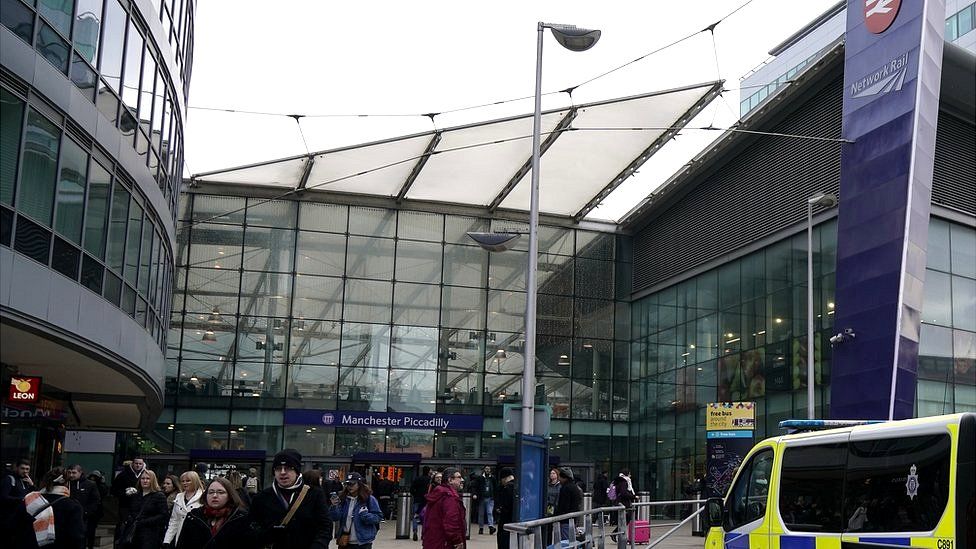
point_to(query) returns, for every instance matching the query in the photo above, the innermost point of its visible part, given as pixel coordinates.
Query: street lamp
(825, 200)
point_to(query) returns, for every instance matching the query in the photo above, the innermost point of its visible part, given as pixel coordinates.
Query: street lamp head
(827, 200)
(572, 37)
(495, 242)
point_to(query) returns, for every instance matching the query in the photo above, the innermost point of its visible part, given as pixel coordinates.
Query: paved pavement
(682, 539)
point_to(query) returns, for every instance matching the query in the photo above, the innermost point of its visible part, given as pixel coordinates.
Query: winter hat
(505, 472)
(566, 472)
(289, 457)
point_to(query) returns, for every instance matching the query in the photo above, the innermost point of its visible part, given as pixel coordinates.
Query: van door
(745, 524)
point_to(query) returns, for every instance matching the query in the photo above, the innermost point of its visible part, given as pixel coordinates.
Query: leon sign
(24, 389)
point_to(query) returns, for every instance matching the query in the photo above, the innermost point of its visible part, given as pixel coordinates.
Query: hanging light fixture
(209, 337)
(215, 315)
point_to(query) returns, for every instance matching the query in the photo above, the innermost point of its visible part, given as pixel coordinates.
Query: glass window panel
(145, 256)
(317, 297)
(965, 18)
(88, 19)
(937, 249)
(315, 342)
(728, 285)
(70, 199)
(372, 221)
(113, 39)
(370, 257)
(65, 259)
(133, 241)
(555, 240)
(812, 487)
(323, 217)
(421, 226)
(594, 318)
(368, 301)
(555, 274)
(259, 379)
(262, 339)
(271, 213)
(363, 389)
(963, 241)
(159, 100)
(594, 278)
(321, 253)
(107, 103)
(935, 353)
(218, 209)
(265, 294)
(418, 261)
(83, 77)
(11, 119)
(147, 90)
(555, 314)
(255, 429)
(58, 13)
(464, 350)
(753, 276)
(91, 274)
(201, 428)
(32, 240)
(507, 270)
(416, 304)
(134, 46)
(19, 19)
(963, 303)
(351, 441)
(215, 246)
(964, 358)
(937, 303)
(506, 311)
(113, 288)
(53, 48)
(267, 249)
(365, 345)
(951, 29)
(412, 391)
(456, 229)
(414, 348)
(463, 308)
(313, 386)
(465, 265)
(37, 181)
(213, 293)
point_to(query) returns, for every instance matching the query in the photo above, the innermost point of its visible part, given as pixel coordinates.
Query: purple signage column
(892, 74)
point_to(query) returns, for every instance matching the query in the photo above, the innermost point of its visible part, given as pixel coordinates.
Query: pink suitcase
(640, 531)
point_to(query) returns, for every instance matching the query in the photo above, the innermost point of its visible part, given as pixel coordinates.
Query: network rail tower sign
(892, 76)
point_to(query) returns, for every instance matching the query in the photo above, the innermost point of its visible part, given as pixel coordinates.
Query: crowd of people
(299, 510)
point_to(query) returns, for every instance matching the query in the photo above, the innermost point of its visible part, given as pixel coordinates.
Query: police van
(907, 483)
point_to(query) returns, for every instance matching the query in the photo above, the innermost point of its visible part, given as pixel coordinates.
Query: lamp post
(826, 200)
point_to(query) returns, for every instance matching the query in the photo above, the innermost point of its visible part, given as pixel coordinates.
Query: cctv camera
(836, 339)
(849, 333)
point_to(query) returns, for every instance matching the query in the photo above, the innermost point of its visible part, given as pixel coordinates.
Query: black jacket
(14, 486)
(310, 528)
(600, 487)
(86, 493)
(125, 479)
(150, 513)
(505, 505)
(570, 499)
(234, 534)
(16, 524)
(484, 487)
(69, 522)
(419, 488)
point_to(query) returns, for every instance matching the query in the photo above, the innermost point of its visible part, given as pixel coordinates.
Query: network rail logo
(880, 14)
(886, 78)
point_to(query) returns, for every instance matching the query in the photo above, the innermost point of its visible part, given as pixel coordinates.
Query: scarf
(217, 517)
(630, 486)
(287, 495)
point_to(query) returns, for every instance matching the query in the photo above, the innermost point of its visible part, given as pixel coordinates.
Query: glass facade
(738, 333)
(101, 47)
(302, 305)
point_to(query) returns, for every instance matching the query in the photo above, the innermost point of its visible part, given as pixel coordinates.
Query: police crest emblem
(911, 485)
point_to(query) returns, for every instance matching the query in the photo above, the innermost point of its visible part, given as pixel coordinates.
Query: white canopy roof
(587, 151)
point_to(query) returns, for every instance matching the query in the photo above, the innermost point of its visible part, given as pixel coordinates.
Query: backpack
(612, 493)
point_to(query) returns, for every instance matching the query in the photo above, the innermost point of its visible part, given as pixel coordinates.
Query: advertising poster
(729, 430)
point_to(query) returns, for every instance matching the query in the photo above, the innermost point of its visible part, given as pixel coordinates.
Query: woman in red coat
(444, 526)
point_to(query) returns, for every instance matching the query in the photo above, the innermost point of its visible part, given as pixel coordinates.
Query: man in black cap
(289, 514)
(570, 501)
(505, 505)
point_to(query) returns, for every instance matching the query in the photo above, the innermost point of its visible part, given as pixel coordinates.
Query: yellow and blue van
(908, 483)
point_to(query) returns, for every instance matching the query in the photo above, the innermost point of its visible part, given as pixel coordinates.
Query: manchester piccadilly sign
(393, 420)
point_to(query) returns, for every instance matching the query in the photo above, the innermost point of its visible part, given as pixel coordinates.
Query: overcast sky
(419, 56)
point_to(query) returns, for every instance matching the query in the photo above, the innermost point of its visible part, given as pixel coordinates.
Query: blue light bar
(800, 425)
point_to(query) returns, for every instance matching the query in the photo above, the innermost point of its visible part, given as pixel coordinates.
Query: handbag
(128, 533)
(343, 540)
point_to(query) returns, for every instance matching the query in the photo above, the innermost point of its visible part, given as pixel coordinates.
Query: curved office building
(93, 107)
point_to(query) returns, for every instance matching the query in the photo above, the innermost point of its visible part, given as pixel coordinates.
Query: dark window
(747, 498)
(52, 47)
(128, 300)
(897, 485)
(65, 258)
(113, 288)
(812, 487)
(91, 274)
(6, 226)
(11, 118)
(39, 173)
(18, 18)
(32, 240)
(83, 77)
(58, 12)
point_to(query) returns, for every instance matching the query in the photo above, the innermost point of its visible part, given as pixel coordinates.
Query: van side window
(898, 484)
(812, 487)
(747, 498)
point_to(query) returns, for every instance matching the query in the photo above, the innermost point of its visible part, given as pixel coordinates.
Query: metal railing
(593, 530)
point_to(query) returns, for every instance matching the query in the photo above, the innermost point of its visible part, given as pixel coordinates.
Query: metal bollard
(466, 499)
(587, 501)
(644, 511)
(697, 524)
(404, 515)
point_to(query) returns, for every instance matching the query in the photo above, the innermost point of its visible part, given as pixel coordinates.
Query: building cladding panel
(763, 190)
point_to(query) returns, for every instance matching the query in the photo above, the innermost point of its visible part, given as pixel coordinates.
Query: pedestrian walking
(86, 494)
(98, 479)
(570, 501)
(126, 485)
(505, 505)
(222, 523)
(483, 492)
(146, 521)
(621, 492)
(418, 491)
(171, 489)
(252, 485)
(59, 521)
(444, 525)
(17, 482)
(357, 514)
(600, 486)
(16, 524)
(289, 514)
(189, 499)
